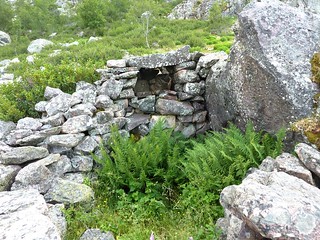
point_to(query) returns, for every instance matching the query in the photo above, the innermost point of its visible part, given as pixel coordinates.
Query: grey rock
(111, 88)
(267, 165)
(275, 204)
(60, 103)
(127, 93)
(204, 72)
(65, 140)
(135, 120)
(23, 216)
(127, 75)
(87, 91)
(192, 9)
(15, 135)
(189, 131)
(184, 96)
(29, 123)
(168, 107)
(129, 83)
(208, 60)
(234, 228)
(199, 116)
(81, 163)
(60, 167)
(54, 120)
(103, 101)
(56, 215)
(4, 38)
(37, 45)
(161, 60)
(7, 175)
(19, 155)
(169, 121)
(87, 146)
(32, 140)
(309, 156)
(190, 65)
(36, 175)
(121, 104)
(120, 113)
(96, 234)
(193, 89)
(116, 63)
(290, 164)
(77, 124)
(76, 177)
(186, 76)
(147, 104)
(41, 106)
(81, 109)
(67, 192)
(5, 128)
(50, 92)
(104, 116)
(185, 119)
(269, 68)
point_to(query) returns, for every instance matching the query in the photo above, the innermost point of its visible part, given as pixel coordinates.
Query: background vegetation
(122, 31)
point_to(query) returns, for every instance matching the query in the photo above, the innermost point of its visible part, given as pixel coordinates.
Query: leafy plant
(144, 170)
(223, 159)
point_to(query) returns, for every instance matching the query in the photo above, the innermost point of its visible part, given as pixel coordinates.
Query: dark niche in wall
(152, 82)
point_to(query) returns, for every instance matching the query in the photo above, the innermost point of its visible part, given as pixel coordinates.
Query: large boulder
(267, 79)
(4, 38)
(275, 205)
(37, 45)
(194, 9)
(23, 215)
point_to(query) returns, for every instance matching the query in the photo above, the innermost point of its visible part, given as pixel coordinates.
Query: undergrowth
(166, 184)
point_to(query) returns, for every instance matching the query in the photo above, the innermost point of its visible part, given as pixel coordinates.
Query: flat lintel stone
(161, 59)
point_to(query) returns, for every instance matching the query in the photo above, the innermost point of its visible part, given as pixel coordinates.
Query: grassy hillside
(122, 28)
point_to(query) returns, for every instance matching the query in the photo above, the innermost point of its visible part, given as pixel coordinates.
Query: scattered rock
(309, 156)
(4, 39)
(96, 234)
(37, 45)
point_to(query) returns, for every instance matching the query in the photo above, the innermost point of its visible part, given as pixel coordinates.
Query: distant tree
(38, 16)
(219, 22)
(6, 15)
(93, 13)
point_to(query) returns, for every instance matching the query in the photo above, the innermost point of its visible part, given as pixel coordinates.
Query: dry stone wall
(47, 158)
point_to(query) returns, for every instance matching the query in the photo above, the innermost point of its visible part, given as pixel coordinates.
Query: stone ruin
(43, 161)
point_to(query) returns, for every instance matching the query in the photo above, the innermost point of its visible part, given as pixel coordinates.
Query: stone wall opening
(152, 81)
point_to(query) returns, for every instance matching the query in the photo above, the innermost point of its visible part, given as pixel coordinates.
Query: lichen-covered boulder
(267, 79)
(173, 107)
(276, 205)
(96, 234)
(5, 128)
